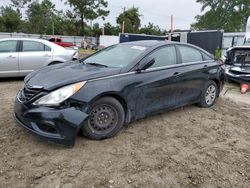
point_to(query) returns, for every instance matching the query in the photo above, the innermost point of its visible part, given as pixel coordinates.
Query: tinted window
(31, 46)
(206, 57)
(52, 40)
(8, 46)
(189, 55)
(164, 57)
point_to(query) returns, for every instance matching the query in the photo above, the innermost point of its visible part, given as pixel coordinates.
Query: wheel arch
(118, 97)
(217, 83)
(55, 62)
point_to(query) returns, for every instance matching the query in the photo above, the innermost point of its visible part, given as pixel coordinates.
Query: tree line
(41, 17)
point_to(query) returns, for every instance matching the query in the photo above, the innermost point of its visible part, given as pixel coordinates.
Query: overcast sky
(159, 11)
(156, 11)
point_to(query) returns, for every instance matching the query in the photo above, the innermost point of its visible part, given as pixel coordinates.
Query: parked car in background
(59, 41)
(238, 64)
(20, 56)
(116, 86)
(237, 60)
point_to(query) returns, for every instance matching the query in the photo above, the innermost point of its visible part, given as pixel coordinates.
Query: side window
(31, 46)
(164, 56)
(206, 57)
(58, 40)
(8, 46)
(47, 49)
(189, 54)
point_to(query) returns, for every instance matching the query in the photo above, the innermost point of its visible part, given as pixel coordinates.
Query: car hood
(56, 76)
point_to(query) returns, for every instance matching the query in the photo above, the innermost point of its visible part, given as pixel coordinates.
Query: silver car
(20, 56)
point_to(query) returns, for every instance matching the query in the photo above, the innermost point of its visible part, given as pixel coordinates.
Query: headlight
(58, 96)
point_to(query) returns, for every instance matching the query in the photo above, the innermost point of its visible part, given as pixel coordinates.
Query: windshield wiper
(97, 64)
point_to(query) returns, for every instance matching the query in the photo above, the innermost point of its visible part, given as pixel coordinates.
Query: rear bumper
(59, 126)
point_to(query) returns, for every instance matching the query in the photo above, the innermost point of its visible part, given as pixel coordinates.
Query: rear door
(8, 58)
(33, 55)
(196, 70)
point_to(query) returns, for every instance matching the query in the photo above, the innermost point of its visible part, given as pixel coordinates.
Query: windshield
(119, 55)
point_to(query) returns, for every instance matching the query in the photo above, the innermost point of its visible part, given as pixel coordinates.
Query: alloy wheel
(210, 95)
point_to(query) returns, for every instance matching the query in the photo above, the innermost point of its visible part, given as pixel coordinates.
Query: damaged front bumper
(59, 126)
(237, 76)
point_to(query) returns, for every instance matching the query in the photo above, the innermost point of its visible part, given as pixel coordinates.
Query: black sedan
(114, 87)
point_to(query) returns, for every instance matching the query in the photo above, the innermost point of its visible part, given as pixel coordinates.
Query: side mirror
(145, 63)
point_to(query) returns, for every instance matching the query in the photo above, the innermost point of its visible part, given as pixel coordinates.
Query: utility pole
(123, 23)
(171, 29)
(103, 30)
(172, 23)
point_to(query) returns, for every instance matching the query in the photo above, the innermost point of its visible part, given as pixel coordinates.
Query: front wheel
(105, 120)
(209, 94)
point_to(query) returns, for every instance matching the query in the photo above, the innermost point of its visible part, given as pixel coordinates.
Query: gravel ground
(187, 147)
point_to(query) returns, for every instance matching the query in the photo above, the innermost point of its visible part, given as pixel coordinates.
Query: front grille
(29, 92)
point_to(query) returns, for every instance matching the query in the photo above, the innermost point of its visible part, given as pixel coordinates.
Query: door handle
(11, 56)
(205, 66)
(176, 74)
(47, 55)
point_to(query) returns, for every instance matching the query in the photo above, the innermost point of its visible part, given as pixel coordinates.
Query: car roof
(35, 40)
(30, 39)
(146, 43)
(156, 43)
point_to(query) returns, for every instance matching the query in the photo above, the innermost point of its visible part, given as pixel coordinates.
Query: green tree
(111, 30)
(151, 29)
(20, 3)
(230, 15)
(132, 20)
(71, 23)
(2, 27)
(89, 10)
(10, 19)
(40, 16)
(96, 30)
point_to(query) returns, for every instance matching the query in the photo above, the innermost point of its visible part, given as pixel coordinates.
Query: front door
(160, 84)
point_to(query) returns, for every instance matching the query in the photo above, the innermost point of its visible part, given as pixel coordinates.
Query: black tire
(204, 100)
(106, 118)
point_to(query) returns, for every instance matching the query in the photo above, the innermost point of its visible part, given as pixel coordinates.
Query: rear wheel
(105, 120)
(209, 94)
